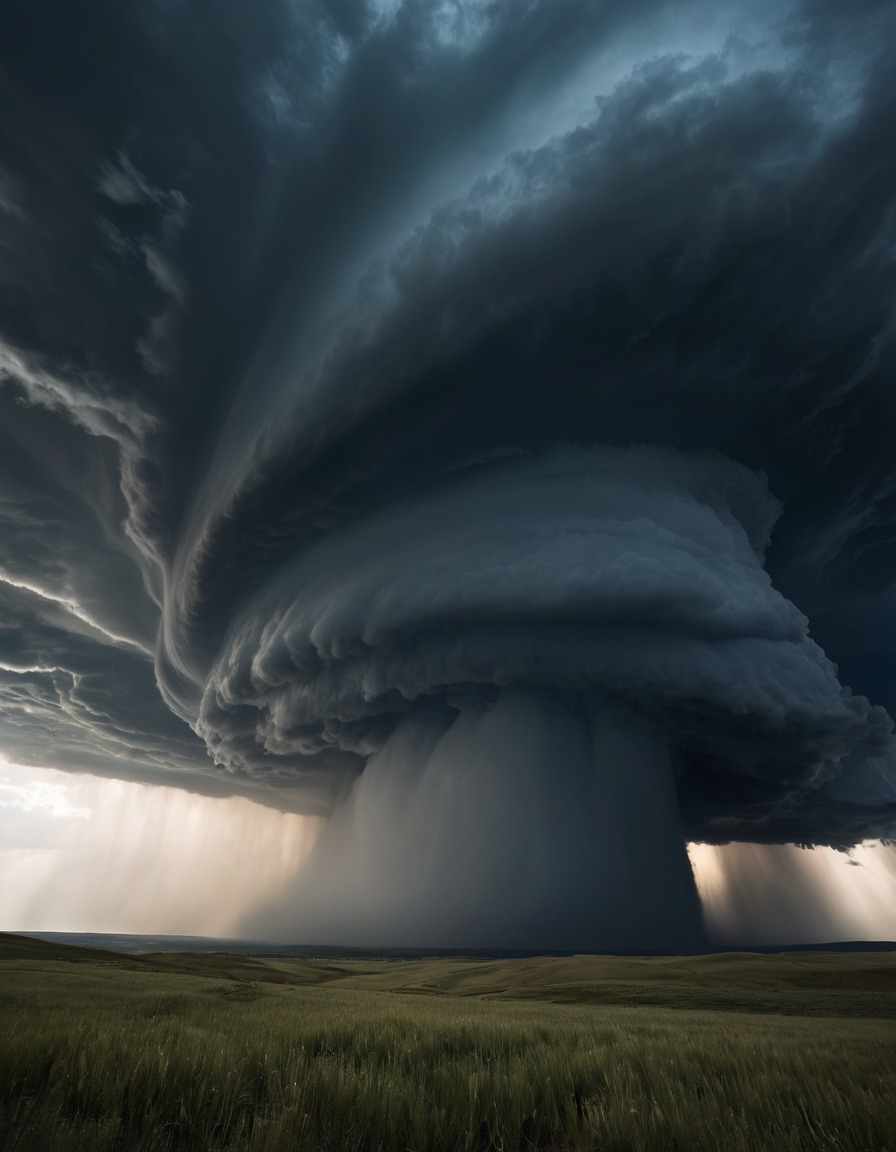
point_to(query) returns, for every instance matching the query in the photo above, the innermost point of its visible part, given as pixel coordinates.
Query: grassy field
(732, 1052)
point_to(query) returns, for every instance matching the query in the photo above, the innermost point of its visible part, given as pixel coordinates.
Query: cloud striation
(470, 421)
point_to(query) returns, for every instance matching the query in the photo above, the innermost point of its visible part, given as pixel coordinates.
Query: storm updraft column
(526, 820)
(525, 665)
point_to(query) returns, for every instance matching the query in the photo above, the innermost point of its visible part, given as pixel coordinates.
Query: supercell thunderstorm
(471, 422)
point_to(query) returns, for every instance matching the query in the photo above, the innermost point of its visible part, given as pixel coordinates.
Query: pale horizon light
(86, 854)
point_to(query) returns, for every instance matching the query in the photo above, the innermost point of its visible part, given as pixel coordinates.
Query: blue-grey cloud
(360, 361)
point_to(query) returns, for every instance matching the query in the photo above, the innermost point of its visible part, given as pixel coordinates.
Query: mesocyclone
(631, 574)
(473, 422)
(531, 660)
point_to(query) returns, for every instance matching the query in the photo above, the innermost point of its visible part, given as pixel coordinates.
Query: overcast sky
(370, 368)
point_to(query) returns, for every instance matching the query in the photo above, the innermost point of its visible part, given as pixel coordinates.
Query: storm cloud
(381, 380)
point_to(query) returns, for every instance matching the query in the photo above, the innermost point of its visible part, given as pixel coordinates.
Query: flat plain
(225, 1052)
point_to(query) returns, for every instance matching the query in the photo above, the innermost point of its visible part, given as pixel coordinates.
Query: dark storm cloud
(361, 361)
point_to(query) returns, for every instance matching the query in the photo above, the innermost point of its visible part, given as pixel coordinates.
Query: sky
(86, 854)
(446, 468)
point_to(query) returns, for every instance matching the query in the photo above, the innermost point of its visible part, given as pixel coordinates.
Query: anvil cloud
(381, 381)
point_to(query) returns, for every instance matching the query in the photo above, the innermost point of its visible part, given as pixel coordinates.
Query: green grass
(100, 1052)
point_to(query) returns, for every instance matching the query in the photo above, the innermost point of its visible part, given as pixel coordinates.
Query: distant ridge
(828, 946)
(136, 944)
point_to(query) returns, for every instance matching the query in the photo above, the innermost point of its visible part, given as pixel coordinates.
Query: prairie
(213, 1053)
